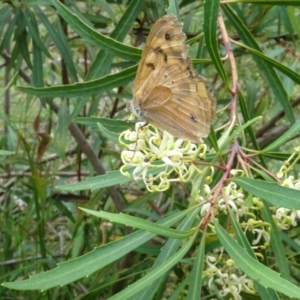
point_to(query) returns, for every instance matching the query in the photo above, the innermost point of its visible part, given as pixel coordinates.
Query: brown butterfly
(168, 93)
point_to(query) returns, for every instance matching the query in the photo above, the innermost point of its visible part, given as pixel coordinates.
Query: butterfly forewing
(164, 36)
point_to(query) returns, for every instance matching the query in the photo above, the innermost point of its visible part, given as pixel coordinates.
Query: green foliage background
(69, 66)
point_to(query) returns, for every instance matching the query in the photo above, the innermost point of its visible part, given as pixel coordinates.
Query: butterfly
(168, 92)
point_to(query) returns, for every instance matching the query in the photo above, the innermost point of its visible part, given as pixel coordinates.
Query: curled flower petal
(150, 149)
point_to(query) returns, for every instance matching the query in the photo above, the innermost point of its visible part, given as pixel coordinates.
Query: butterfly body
(168, 93)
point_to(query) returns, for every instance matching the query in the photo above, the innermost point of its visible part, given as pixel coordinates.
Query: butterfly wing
(168, 92)
(165, 37)
(179, 103)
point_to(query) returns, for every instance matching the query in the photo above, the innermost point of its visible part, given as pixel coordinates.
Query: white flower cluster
(154, 158)
(228, 277)
(233, 199)
(287, 217)
(284, 217)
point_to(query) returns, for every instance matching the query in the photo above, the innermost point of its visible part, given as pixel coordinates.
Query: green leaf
(37, 69)
(111, 136)
(94, 37)
(7, 37)
(2, 92)
(87, 264)
(86, 88)
(102, 64)
(271, 192)
(274, 63)
(286, 19)
(33, 31)
(211, 9)
(97, 20)
(267, 71)
(278, 155)
(6, 15)
(173, 8)
(252, 268)
(21, 36)
(113, 125)
(194, 291)
(108, 9)
(293, 17)
(140, 224)
(97, 182)
(168, 250)
(154, 274)
(5, 152)
(293, 131)
(290, 241)
(60, 41)
(249, 129)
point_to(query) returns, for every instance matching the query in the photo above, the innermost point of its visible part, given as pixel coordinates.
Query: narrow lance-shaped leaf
(254, 269)
(211, 9)
(33, 31)
(60, 42)
(156, 273)
(285, 70)
(141, 224)
(94, 37)
(84, 88)
(293, 131)
(271, 192)
(102, 62)
(85, 265)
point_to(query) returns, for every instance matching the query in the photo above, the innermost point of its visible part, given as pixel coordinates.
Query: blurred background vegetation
(42, 45)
